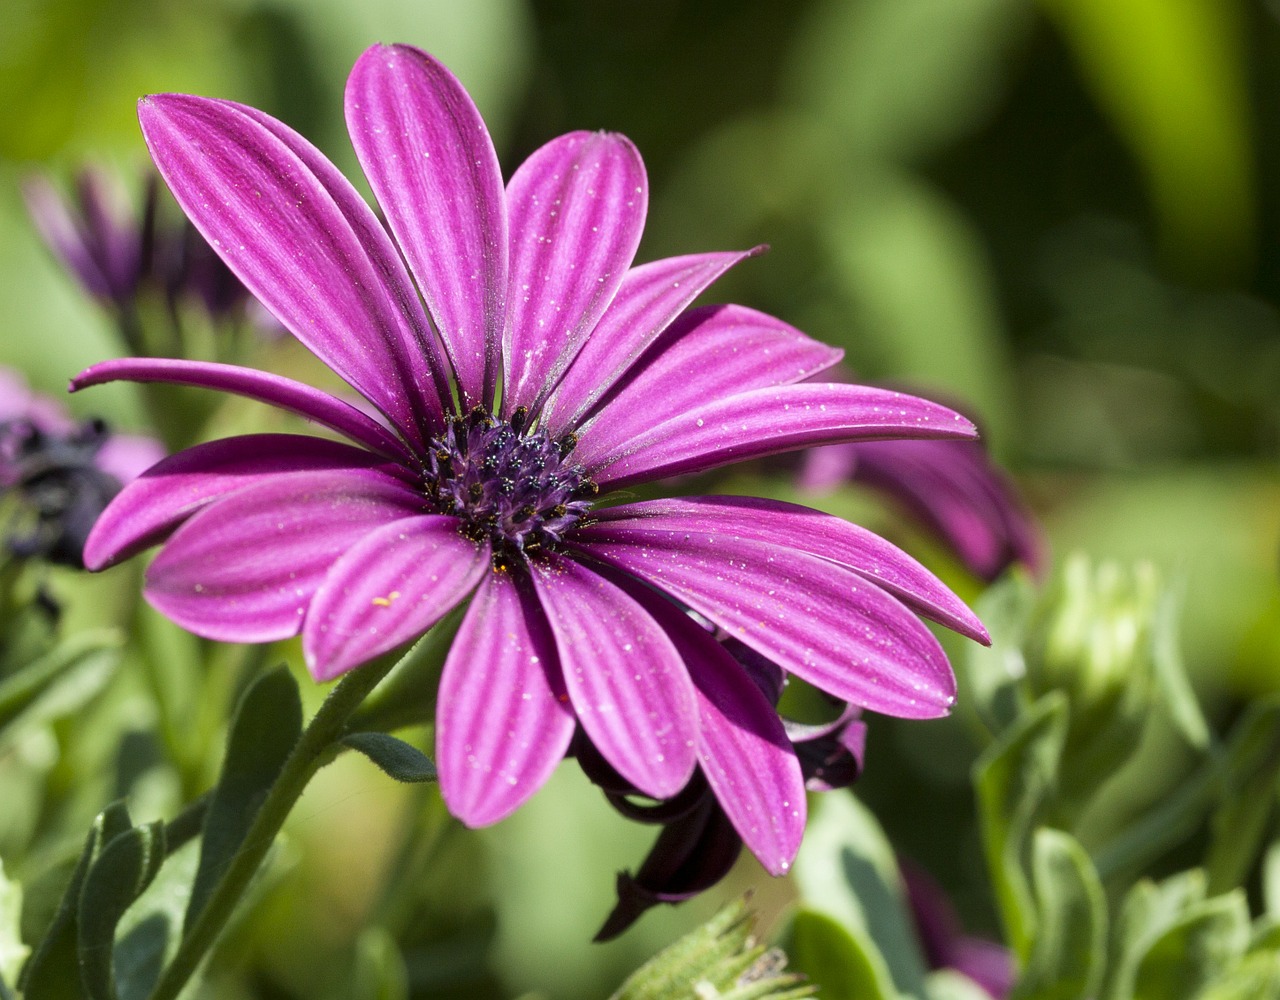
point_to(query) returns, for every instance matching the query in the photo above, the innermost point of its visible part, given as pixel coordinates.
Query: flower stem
(313, 750)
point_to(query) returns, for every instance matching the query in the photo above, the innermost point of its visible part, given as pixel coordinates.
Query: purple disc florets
(510, 484)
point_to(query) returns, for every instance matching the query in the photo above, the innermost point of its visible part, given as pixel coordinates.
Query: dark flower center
(509, 484)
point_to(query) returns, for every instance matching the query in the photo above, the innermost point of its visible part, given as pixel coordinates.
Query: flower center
(512, 486)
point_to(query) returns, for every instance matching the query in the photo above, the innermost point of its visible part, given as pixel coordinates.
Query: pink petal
(742, 745)
(629, 688)
(810, 616)
(391, 586)
(431, 163)
(576, 209)
(649, 299)
(301, 239)
(149, 508)
(710, 353)
(245, 568)
(762, 422)
(127, 456)
(275, 390)
(822, 535)
(504, 721)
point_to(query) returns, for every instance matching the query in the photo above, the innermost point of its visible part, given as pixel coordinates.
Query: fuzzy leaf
(1071, 917)
(123, 869)
(398, 759)
(1196, 951)
(54, 969)
(267, 724)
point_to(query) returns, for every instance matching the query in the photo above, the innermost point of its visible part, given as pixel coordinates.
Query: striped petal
(504, 721)
(432, 166)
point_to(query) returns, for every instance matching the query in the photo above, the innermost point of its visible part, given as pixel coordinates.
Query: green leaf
(59, 683)
(992, 673)
(1257, 977)
(1271, 879)
(848, 871)
(836, 962)
(408, 694)
(944, 984)
(1071, 918)
(123, 869)
(1014, 777)
(1171, 674)
(266, 726)
(1196, 951)
(1239, 824)
(398, 759)
(12, 951)
(54, 969)
(718, 960)
(380, 972)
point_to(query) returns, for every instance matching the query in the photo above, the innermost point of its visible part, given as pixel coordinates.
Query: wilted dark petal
(711, 353)
(690, 856)
(649, 299)
(577, 209)
(959, 494)
(244, 569)
(392, 585)
(831, 756)
(275, 390)
(432, 166)
(504, 721)
(305, 243)
(765, 422)
(628, 685)
(742, 748)
(813, 617)
(63, 235)
(154, 504)
(822, 535)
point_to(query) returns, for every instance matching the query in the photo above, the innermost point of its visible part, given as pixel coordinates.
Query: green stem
(313, 750)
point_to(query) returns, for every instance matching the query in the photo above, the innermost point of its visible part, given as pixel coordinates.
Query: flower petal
(812, 617)
(629, 688)
(393, 585)
(148, 509)
(649, 299)
(432, 166)
(303, 241)
(276, 390)
(504, 721)
(818, 534)
(710, 353)
(245, 568)
(763, 422)
(743, 748)
(576, 209)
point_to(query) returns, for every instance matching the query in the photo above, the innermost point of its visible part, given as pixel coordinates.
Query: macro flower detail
(522, 369)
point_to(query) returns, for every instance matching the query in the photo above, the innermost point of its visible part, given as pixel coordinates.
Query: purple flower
(61, 472)
(951, 487)
(116, 253)
(522, 368)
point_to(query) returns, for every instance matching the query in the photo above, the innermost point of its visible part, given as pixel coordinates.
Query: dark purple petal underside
(504, 720)
(301, 239)
(394, 584)
(812, 617)
(432, 166)
(649, 299)
(576, 210)
(765, 422)
(285, 393)
(245, 569)
(629, 687)
(822, 535)
(153, 505)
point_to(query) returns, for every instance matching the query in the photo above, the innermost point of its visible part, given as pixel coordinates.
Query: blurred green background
(1063, 214)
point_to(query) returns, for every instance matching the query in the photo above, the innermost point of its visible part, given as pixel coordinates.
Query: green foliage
(396, 758)
(719, 961)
